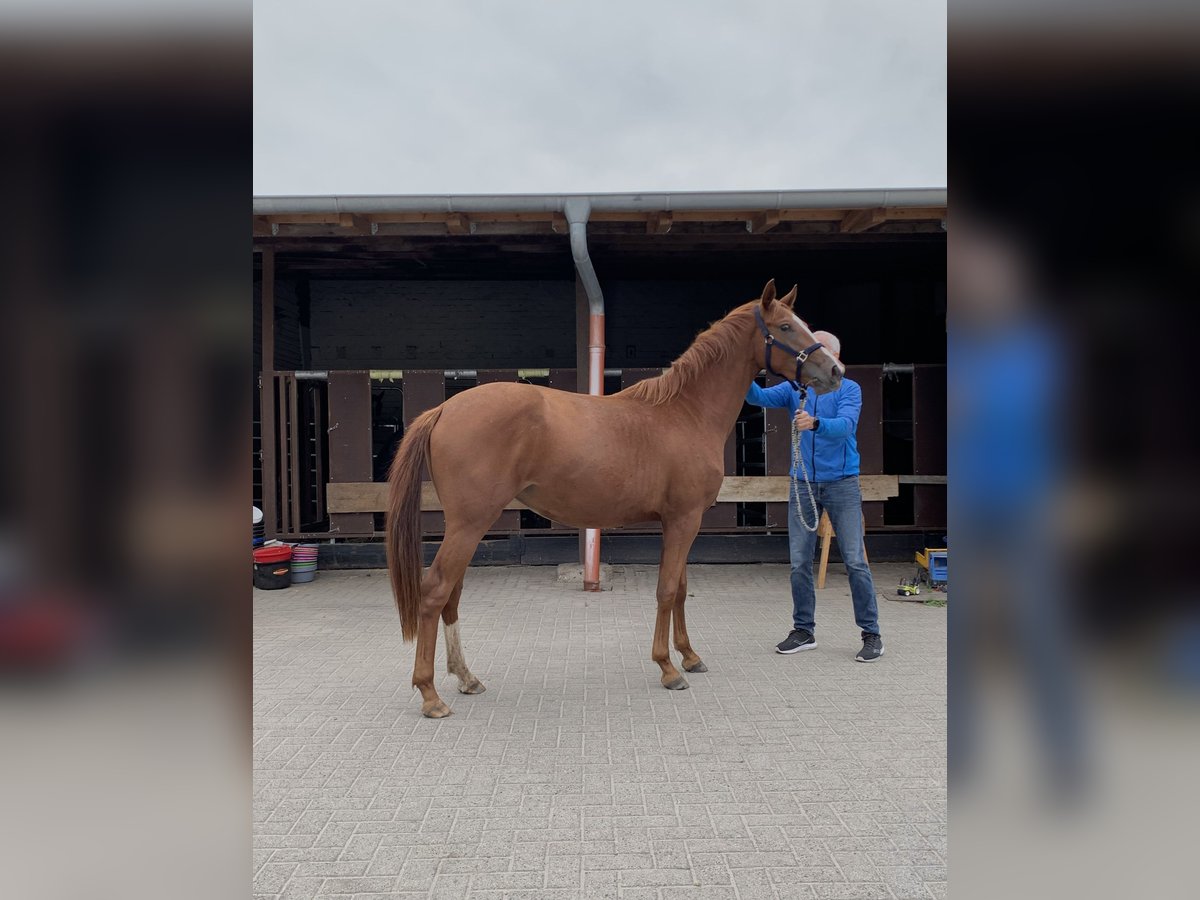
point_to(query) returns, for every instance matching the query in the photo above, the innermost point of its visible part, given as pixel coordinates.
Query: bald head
(832, 344)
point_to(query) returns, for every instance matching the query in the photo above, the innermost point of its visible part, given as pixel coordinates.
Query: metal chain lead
(798, 457)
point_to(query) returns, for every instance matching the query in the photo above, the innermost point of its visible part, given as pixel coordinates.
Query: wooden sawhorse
(826, 534)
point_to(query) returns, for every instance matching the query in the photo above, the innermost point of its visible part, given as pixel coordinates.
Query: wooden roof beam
(457, 223)
(859, 220)
(918, 213)
(659, 223)
(762, 222)
(360, 224)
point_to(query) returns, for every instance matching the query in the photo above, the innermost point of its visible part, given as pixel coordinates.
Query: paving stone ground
(576, 774)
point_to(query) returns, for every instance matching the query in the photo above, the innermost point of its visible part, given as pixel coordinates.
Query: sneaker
(872, 647)
(796, 641)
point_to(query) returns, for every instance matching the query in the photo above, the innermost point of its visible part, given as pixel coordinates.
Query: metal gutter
(635, 202)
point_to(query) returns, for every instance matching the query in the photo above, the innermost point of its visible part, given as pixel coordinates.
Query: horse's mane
(713, 345)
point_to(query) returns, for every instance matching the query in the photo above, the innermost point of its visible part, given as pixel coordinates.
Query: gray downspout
(577, 211)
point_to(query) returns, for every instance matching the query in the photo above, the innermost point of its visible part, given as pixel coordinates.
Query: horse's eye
(785, 327)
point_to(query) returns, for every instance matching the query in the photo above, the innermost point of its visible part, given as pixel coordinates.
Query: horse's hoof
(472, 687)
(435, 709)
(698, 666)
(678, 684)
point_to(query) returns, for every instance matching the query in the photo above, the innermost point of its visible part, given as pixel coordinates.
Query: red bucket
(273, 554)
(273, 567)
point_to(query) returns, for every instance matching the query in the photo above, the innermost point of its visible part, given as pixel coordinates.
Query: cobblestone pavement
(576, 774)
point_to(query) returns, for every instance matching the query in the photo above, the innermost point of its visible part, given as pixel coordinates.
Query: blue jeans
(843, 501)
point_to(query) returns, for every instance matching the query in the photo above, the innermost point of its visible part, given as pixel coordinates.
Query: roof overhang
(847, 211)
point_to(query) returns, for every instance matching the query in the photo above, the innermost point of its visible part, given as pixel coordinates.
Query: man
(827, 425)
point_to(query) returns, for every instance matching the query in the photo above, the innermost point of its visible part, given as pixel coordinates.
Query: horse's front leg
(678, 534)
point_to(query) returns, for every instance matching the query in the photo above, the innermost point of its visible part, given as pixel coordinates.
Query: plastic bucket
(304, 563)
(273, 568)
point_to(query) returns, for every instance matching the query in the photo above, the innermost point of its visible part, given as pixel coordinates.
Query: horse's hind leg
(439, 583)
(456, 663)
(691, 660)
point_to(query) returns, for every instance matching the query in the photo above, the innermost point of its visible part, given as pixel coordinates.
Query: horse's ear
(789, 298)
(768, 294)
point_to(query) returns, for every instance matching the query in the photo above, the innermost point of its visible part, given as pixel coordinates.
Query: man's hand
(804, 421)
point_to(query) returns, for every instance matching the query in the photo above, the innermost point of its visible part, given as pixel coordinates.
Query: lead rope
(798, 457)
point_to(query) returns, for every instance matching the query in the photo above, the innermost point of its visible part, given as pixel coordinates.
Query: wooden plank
(915, 213)
(495, 376)
(870, 420)
(857, 221)
(349, 443)
(563, 380)
(323, 218)
(346, 497)
(929, 419)
(725, 215)
(266, 407)
(812, 215)
(318, 451)
(929, 505)
(371, 496)
(774, 488)
(285, 506)
(356, 223)
(921, 479)
(457, 223)
(870, 431)
(292, 222)
(413, 218)
(777, 454)
(929, 444)
(295, 467)
(630, 377)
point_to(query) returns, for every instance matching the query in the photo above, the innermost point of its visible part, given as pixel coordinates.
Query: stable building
(372, 310)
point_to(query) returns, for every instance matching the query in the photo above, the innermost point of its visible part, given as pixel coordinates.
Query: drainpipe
(577, 211)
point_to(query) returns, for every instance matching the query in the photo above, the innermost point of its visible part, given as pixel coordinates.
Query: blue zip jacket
(836, 448)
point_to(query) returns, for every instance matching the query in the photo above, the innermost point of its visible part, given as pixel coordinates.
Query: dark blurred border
(124, 601)
(1081, 144)
(1072, 139)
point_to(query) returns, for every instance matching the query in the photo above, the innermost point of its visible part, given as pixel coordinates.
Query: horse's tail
(404, 519)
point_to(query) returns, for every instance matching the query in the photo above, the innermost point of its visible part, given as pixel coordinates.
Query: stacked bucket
(276, 564)
(304, 563)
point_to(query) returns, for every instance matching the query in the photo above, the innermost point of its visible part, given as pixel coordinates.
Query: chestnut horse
(654, 451)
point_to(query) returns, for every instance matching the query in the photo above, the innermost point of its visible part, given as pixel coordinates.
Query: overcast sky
(418, 96)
